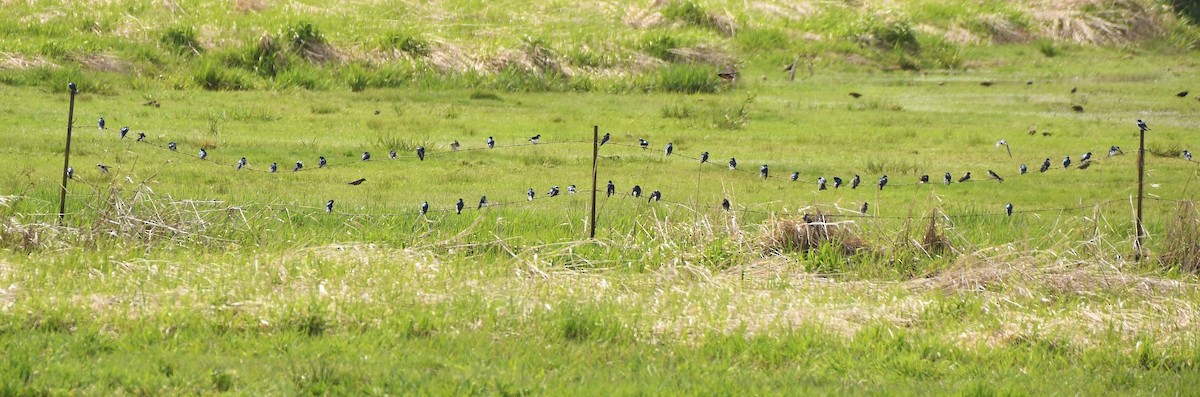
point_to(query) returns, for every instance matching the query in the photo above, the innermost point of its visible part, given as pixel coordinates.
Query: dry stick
(62, 196)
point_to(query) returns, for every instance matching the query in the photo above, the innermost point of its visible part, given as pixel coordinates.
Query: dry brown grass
(935, 242)
(787, 10)
(250, 5)
(643, 18)
(803, 235)
(1097, 21)
(9, 61)
(1002, 30)
(1182, 250)
(702, 53)
(103, 63)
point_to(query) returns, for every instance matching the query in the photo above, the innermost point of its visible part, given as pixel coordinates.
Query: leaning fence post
(595, 155)
(1141, 168)
(62, 196)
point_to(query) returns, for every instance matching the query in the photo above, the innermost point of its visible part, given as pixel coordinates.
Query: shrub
(181, 40)
(1047, 48)
(411, 44)
(687, 12)
(265, 59)
(660, 46)
(688, 78)
(304, 36)
(213, 77)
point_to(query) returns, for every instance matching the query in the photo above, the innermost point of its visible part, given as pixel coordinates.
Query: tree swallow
(70, 172)
(141, 136)
(821, 183)
(837, 182)
(171, 145)
(854, 182)
(321, 162)
(643, 143)
(994, 176)
(1066, 161)
(883, 182)
(637, 191)
(1024, 169)
(1008, 209)
(491, 143)
(925, 178)
(274, 167)
(203, 154)
(482, 202)
(571, 189)
(1142, 125)
(655, 196)
(762, 171)
(366, 156)
(424, 207)
(530, 194)
(124, 130)
(553, 191)
(329, 206)
(864, 208)
(965, 178)
(454, 146)
(241, 163)
(101, 123)
(421, 153)
(103, 168)
(1045, 165)
(355, 182)
(535, 138)
(732, 163)
(947, 178)
(605, 139)
(392, 154)
(611, 189)
(458, 207)
(725, 204)
(298, 167)
(703, 157)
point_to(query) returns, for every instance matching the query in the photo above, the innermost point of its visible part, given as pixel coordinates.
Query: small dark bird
(1142, 125)
(1030, 82)
(482, 202)
(241, 163)
(376, 111)
(605, 139)
(321, 162)
(837, 182)
(762, 171)
(947, 179)
(993, 175)
(883, 182)
(454, 146)
(863, 210)
(124, 130)
(421, 153)
(643, 143)
(358, 181)
(366, 156)
(71, 86)
(703, 157)
(203, 154)
(1045, 166)
(725, 204)
(1024, 169)
(855, 95)
(732, 163)
(637, 191)
(392, 154)
(1084, 165)
(795, 176)
(1066, 161)
(530, 194)
(1115, 151)
(103, 168)
(491, 143)
(1187, 155)
(612, 189)
(854, 182)
(424, 207)
(299, 166)
(571, 189)
(458, 207)
(70, 172)
(1008, 209)
(925, 178)
(274, 167)
(1032, 130)
(655, 196)
(1045, 133)
(1074, 89)
(535, 138)
(1182, 94)
(728, 74)
(141, 136)
(1086, 156)
(1077, 108)
(172, 146)
(965, 178)
(821, 183)
(329, 206)
(101, 123)
(670, 148)
(986, 83)
(553, 191)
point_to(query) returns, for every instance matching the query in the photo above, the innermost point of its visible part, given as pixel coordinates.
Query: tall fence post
(62, 196)
(595, 156)
(1141, 165)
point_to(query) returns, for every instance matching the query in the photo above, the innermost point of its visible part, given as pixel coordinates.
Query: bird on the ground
(1115, 151)
(1066, 161)
(1187, 155)
(172, 146)
(241, 163)
(366, 156)
(530, 194)
(762, 171)
(605, 139)
(995, 176)
(728, 74)
(534, 140)
(124, 130)
(203, 153)
(70, 172)
(491, 143)
(321, 162)
(986, 83)
(643, 143)
(553, 191)
(1086, 156)
(837, 182)
(925, 178)
(670, 148)
(454, 145)
(732, 163)
(329, 206)
(101, 123)
(299, 166)
(612, 189)
(1024, 169)
(703, 157)
(795, 176)
(571, 189)
(821, 183)
(947, 178)
(725, 204)
(141, 136)
(1032, 130)
(482, 202)
(103, 168)
(358, 181)
(1077, 108)
(392, 154)
(965, 177)
(274, 167)
(854, 182)
(1045, 165)
(883, 181)
(1182, 94)
(637, 191)
(424, 207)
(1142, 125)
(421, 153)
(1074, 89)
(1030, 82)
(855, 95)
(864, 208)
(655, 196)
(458, 206)
(1084, 165)
(1008, 209)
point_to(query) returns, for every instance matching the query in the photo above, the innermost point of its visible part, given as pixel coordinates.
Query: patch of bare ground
(11, 61)
(101, 62)
(785, 9)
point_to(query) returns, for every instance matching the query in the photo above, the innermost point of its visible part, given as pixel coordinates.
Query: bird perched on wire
(1024, 169)
(947, 178)
(366, 156)
(421, 153)
(571, 189)
(1187, 155)
(141, 136)
(299, 166)
(1008, 209)
(458, 206)
(424, 207)
(725, 204)
(821, 183)
(321, 162)
(1142, 125)
(1115, 151)
(454, 146)
(491, 143)
(863, 210)
(1006, 147)
(925, 178)
(732, 163)
(124, 130)
(553, 191)
(1086, 156)
(763, 172)
(655, 196)
(837, 182)
(70, 172)
(670, 148)
(103, 168)
(392, 154)
(358, 181)
(1045, 165)
(172, 146)
(101, 123)
(883, 181)
(993, 175)
(530, 194)
(482, 202)
(637, 191)
(610, 190)
(1066, 161)
(965, 178)
(203, 154)
(643, 143)
(854, 182)
(241, 163)
(535, 138)
(703, 157)
(605, 139)
(795, 176)
(329, 206)
(274, 167)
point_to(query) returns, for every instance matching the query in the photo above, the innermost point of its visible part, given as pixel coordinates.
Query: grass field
(176, 275)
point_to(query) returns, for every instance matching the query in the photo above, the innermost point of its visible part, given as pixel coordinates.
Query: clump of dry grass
(705, 54)
(1002, 29)
(103, 63)
(1097, 21)
(10, 61)
(1182, 250)
(250, 5)
(809, 234)
(642, 18)
(935, 242)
